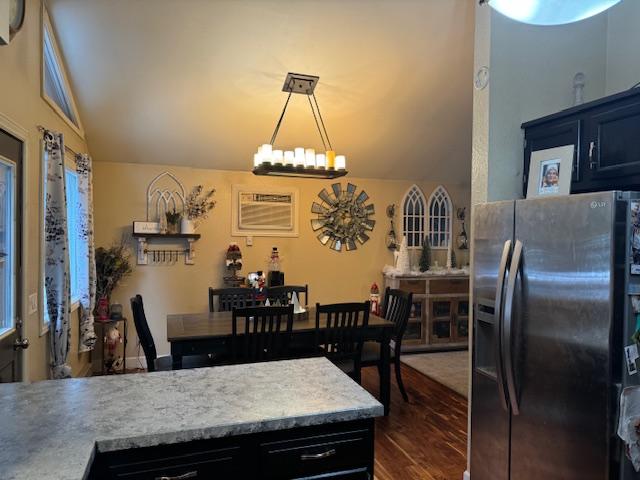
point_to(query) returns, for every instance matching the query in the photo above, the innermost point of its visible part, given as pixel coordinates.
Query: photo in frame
(550, 172)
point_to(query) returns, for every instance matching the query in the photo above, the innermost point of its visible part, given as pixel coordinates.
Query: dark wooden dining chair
(155, 363)
(230, 298)
(338, 334)
(396, 308)
(260, 334)
(282, 294)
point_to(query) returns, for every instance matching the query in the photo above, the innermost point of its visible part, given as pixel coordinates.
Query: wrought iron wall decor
(343, 217)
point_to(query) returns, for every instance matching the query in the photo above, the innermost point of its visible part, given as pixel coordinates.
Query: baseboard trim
(86, 371)
(135, 362)
(466, 475)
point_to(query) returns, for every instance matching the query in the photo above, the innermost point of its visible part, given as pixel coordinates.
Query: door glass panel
(441, 329)
(441, 309)
(7, 245)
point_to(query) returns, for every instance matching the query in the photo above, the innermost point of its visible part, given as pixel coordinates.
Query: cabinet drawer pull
(184, 476)
(592, 162)
(318, 456)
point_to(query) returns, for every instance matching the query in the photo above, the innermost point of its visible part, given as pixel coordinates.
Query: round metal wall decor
(343, 217)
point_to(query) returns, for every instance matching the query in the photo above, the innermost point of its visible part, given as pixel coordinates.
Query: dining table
(210, 332)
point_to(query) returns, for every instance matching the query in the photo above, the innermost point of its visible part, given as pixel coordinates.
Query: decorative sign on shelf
(343, 217)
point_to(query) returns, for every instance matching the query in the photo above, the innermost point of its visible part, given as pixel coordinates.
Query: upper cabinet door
(613, 143)
(550, 135)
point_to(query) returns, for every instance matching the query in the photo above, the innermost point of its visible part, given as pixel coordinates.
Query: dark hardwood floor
(425, 439)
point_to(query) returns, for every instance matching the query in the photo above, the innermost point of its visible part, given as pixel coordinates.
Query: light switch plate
(33, 303)
(249, 241)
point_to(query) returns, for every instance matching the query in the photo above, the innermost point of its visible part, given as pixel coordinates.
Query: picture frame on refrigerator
(550, 172)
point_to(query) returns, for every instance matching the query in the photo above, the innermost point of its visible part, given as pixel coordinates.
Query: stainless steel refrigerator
(552, 313)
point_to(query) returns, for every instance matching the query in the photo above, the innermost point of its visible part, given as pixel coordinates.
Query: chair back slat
(397, 308)
(282, 294)
(339, 334)
(230, 298)
(144, 333)
(265, 336)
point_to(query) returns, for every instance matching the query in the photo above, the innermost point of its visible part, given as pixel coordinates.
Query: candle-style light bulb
(257, 160)
(321, 161)
(299, 157)
(288, 157)
(331, 159)
(278, 157)
(310, 158)
(341, 162)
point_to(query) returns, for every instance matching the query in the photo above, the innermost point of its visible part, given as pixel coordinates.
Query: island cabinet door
(187, 461)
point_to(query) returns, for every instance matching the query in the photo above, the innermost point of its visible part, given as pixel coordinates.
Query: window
(440, 218)
(413, 215)
(55, 85)
(7, 245)
(73, 229)
(77, 244)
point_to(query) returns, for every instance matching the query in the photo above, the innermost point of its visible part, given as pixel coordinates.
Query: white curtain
(87, 271)
(56, 267)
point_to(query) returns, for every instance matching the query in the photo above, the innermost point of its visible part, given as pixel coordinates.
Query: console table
(440, 313)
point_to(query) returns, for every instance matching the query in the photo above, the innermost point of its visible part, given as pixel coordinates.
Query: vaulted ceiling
(198, 82)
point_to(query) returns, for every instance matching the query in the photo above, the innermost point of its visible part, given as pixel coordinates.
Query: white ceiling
(198, 82)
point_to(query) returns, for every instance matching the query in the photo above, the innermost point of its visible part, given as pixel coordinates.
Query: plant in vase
(173, 221)
(196, 207)
(112, 265)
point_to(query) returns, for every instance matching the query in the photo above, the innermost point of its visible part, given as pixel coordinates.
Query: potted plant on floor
(112, 265)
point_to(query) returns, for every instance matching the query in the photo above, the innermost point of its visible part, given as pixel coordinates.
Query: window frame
(47, 31)
(414, 194)
(441, 195)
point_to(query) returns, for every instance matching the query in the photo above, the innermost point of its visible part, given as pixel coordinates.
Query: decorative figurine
(374, 298)
(234, 263)
(403, 263)
(463, 239)
(392, 241)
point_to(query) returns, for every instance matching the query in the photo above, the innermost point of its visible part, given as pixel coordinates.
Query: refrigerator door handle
(507, 329)
(497, 328)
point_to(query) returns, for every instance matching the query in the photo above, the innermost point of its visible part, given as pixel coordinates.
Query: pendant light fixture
(300, 162)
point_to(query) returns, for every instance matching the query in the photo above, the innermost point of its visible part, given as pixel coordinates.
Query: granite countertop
(51, 429)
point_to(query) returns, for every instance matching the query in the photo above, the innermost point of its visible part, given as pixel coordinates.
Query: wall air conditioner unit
(269, 212)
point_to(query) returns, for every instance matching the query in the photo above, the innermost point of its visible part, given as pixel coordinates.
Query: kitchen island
(254, 415)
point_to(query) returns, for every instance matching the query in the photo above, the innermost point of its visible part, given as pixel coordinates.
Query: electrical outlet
(33, 303)
(249, 241)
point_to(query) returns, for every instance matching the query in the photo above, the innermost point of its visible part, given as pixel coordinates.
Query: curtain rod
(42, 129)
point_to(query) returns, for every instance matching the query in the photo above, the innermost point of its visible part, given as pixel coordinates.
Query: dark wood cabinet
(606, 135)
(336, 451)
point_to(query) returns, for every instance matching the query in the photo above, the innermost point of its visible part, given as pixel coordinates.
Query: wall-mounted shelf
(194, 236)
(161, 255)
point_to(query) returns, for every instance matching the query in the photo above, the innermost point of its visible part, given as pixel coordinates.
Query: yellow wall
(22, 109)
(119, 196)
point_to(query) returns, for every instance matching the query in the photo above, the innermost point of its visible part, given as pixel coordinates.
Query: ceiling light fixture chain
(321, 120)
(317, 124)
(275, 132)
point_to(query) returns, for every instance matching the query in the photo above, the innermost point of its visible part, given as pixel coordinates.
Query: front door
(11, 150)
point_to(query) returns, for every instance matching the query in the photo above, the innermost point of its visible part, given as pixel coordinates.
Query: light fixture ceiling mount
(300, 162)
(550, 12)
